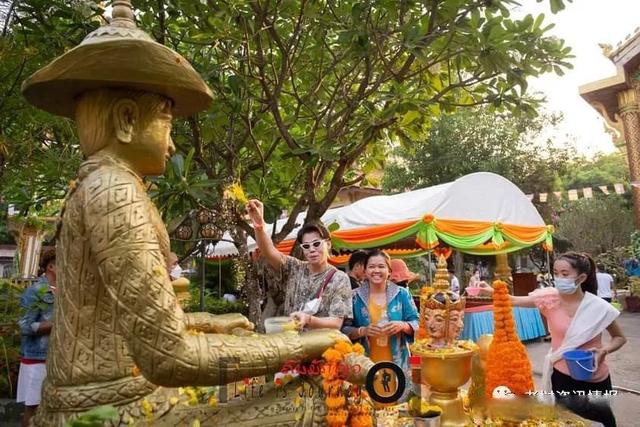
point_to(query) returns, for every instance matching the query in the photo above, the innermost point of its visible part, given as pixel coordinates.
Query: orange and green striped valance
(474, 237)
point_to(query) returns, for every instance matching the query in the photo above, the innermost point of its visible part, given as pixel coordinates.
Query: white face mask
(565, 285)
(176, 273)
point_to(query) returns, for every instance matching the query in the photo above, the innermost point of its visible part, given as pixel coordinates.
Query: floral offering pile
(424, 346)
(353, 410)
(507, 361)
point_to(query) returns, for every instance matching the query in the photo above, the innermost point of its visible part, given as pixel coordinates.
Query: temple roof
(603, 94)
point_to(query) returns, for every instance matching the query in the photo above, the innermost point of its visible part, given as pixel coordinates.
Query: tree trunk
(254, 293)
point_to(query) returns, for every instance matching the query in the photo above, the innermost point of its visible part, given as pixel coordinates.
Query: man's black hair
(358, 257)
(47, 257)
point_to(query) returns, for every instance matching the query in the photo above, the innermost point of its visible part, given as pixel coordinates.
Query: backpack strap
(325, 282)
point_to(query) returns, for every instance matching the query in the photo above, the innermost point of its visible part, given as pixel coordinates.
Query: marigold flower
(334, 402)
(343, 347)
(507, 360)
(332, 355)
(358, 348)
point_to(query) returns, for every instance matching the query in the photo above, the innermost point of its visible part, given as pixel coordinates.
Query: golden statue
(445, 362)
(120, 337)
(442, 310)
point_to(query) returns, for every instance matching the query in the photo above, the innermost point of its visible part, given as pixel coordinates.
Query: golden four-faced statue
(445, 362)
(120, 336)
(443, 310)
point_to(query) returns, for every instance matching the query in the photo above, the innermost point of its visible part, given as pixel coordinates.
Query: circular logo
(385, 382)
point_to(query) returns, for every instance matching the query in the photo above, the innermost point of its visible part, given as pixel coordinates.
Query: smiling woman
(385, 316)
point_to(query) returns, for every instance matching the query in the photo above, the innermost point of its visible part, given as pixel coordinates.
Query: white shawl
(593, 316)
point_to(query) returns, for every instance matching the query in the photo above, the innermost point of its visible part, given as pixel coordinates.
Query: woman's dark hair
(583, 263)
(378, 252)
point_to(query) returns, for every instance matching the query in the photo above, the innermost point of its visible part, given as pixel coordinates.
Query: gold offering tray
(527, 412)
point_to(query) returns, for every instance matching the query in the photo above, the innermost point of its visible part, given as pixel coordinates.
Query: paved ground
(625, 370)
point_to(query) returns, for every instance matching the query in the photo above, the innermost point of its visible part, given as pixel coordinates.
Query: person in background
(577, 318)
(474, 280)
(400, 274)
(605, 284)
(356, 268)
(384, 314)
(35, 326)
(455, 283)
(175, 271)
(229, 298)
(317, 295)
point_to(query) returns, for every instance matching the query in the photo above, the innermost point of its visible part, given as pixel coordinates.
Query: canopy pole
(548, 264)
(220, 279)
(430, 278)
(203, 246)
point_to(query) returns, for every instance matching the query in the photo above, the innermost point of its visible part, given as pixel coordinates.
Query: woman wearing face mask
(576, 319)
(384, 314)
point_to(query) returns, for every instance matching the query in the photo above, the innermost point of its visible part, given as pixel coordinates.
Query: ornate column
(29, 238)
(628, 105)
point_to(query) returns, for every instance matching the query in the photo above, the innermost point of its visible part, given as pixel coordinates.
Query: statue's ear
(125, 115)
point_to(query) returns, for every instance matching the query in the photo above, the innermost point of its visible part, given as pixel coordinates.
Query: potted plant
(632, 302)
(10, 311)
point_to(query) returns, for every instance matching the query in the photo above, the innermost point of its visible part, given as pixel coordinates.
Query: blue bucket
(580, 363)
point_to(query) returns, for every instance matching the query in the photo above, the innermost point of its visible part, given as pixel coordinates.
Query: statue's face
(456, 323)
(152, 146)
(435, 320)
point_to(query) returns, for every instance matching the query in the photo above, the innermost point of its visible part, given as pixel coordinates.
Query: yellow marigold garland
(340, 410)
(507, 360)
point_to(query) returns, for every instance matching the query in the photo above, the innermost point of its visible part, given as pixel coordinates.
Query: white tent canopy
(481, 196)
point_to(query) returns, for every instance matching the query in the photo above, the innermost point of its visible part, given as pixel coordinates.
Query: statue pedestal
(446, 373)
(452, 409)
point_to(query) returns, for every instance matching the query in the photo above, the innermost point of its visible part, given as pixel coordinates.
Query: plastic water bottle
(384, 319)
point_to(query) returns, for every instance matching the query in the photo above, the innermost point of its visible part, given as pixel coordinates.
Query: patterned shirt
(302, 286)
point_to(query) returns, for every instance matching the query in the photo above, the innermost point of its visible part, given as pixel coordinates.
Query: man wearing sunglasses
(317, 295)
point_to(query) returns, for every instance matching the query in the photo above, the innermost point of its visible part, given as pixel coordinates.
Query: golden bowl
(445, 372)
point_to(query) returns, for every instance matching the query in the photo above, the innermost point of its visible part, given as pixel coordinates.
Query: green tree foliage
(307, 92)
(596, 225)
(38, 152)
(477, 140)
(603, 169)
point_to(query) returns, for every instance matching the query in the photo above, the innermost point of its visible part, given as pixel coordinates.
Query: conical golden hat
(117, 55)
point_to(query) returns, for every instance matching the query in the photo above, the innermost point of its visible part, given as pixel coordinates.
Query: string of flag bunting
(574, 194)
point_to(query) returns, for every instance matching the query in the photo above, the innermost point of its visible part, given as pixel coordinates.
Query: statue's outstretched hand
(218, 323)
